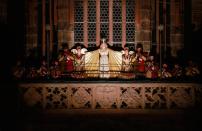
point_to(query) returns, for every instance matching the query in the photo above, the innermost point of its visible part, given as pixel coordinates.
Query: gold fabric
(92, 63)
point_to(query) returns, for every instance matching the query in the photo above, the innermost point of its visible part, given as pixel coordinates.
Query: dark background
(12, 44)
(12, 47)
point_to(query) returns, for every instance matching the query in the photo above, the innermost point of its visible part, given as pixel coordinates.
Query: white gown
(104, 63)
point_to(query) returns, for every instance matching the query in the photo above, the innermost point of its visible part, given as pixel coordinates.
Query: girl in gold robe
(103, 63)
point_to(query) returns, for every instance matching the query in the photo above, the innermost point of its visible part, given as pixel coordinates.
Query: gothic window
(78, 21)
(130, 17)
(112, 19)
(91, 23)
(104, 17)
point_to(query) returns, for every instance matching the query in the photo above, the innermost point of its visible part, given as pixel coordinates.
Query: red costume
(69, 64)
(69, 61)
(141, 66)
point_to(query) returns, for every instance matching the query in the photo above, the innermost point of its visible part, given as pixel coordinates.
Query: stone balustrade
(109, 95)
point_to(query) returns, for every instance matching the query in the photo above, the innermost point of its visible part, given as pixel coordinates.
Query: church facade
(153, 23)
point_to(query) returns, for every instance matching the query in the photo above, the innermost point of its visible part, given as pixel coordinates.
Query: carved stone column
(176, 35)
(123, 23)
(143, 23)
(137, 21)
(70, 32)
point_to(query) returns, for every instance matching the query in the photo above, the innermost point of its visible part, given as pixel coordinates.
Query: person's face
(56, 62)
(79, 51)
(165, 65)
(139, 49)
(43, 63)
(126, 52)
(103, 46)
(176, 66)
(151, 58)
(65, 50)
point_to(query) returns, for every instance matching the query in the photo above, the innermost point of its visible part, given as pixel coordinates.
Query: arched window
(115, 19)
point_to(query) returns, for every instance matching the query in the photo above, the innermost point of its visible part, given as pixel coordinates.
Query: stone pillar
(51, 27)
(85, 24)
(123, 23)
(111, 21)
(43, 27)
(157, 25)
(176, 36)
(31, 15)
(145, 31)
(70, 34)
(97, 22)
(137, 21)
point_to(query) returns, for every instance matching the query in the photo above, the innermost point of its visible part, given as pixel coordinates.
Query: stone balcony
(95, 97)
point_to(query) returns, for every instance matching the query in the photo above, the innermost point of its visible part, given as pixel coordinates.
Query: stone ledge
(110, 97)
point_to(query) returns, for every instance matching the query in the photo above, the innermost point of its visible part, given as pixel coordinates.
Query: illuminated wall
(51, 23)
